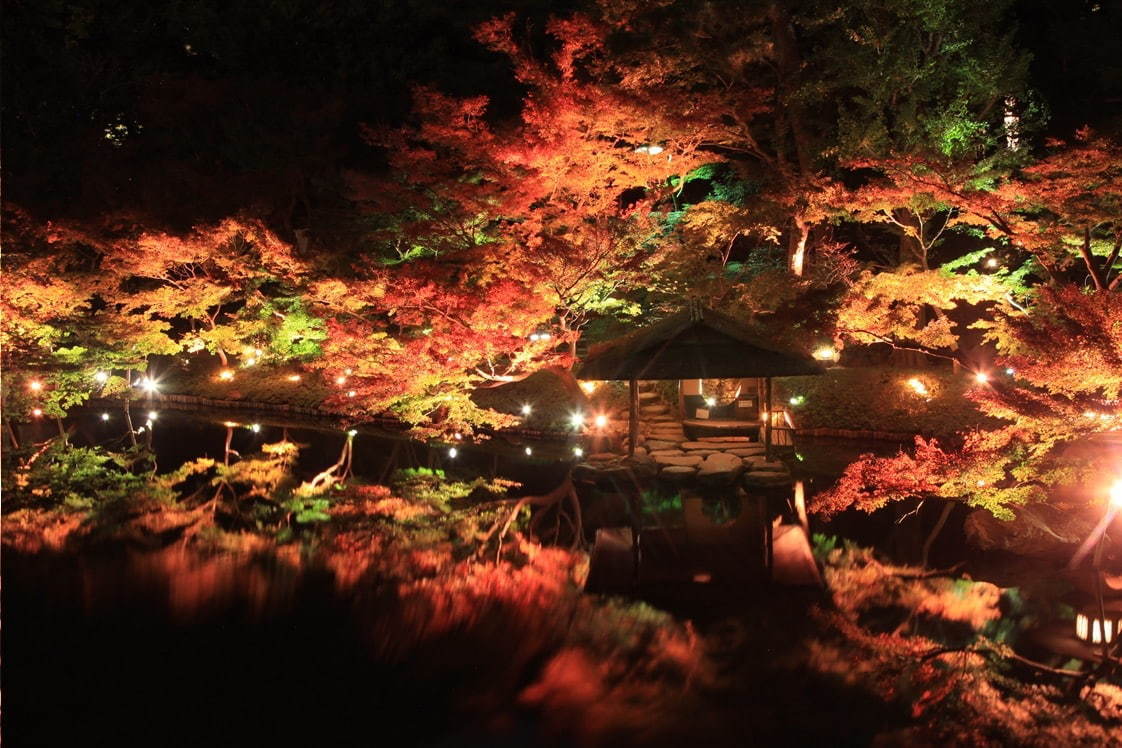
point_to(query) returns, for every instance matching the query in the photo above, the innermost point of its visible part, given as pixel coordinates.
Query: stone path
(665, 450)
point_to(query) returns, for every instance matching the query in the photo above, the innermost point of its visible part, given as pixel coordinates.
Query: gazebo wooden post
(767, 419)
(632, 416)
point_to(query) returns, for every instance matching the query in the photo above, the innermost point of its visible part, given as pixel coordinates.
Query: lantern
(1099, 625)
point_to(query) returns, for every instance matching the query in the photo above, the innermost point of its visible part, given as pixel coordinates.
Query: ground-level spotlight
(578, 451)
(153, 415)
(918, 386)
(293, 377)
(105, 416)
(981, 377)
(577, 419)
(149, 385)
(35, 385)
(711, 402)
(36, 412)
(340, 380)
(101, 377)
(453, 452)
(601, 421)
(526, 409)
(529, 451)
(352, 433)
(255, 428)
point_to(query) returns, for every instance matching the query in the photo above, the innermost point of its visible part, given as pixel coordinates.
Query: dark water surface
(116, 648)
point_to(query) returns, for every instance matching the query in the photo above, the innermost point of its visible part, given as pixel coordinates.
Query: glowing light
(249, 362)
(576, 419)
(458, 436)
(1010, 370)
(526, 409)
(588, 387)
(797, 399)
(226, 375)
(153, 415)
(105, 416)
(36, 412)
(981, 483)
(35, 385)
(529, 451)
(293, 377)
(1116, 494)
(247, 351)
(534, 336)
(825, 353)
(981, 377)
(1088, 414)
(601, 421)
(351, 393)
(578, 451)
(544, 336)
(453, 452)
(918, 386)
(352, 433)
(340, 380)
(1095, 630)
(101, 377)
(991, 262)
(229, 424)
(255, 428)
(348, 372)
(257, 352)
(711, 401)
(651, 149)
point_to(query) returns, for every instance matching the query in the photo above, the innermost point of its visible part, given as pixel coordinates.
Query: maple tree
(1050, 322)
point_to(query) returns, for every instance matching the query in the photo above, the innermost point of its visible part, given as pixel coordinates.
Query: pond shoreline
(189, 402)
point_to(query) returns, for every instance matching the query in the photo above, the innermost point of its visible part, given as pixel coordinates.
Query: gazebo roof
(698, 343)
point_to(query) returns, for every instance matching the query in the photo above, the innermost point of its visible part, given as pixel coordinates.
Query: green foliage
(658, 504)
(823, 545)
(72, 478)
(433, 489)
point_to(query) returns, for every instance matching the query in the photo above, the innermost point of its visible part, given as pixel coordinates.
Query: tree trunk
(632, 417)
(796, 247)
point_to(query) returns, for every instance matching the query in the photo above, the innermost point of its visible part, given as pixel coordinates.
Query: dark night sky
(258, 105)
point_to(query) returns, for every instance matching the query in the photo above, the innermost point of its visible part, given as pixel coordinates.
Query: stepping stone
(703, 452)
(682, 460)
(654, 410)
(647, 396)
(640, 451)
(602, 457)
(653, 444)
(746, 451)
(725, 439)
(699, 445)
(659, 418)
(719, 469)
(677, 472)
(667, 452)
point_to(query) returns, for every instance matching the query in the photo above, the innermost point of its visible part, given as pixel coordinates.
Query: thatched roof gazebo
(698, 343)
